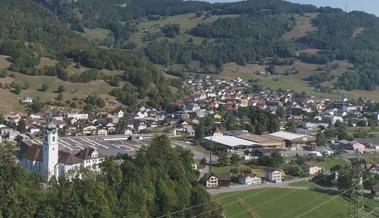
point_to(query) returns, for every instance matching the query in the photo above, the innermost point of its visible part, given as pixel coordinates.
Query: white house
(33, 130)
(27, 100)
(274, 176)
(89, 129)
(249, 179)
(78, 116)
(119, 114)
(312, 168)
(102, 132)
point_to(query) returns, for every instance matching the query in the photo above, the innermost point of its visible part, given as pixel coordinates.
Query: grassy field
(96, 34)
(284, 203)
(302, 28)
(186, 22)
(72, 90)
(226, 169)
(333, 161)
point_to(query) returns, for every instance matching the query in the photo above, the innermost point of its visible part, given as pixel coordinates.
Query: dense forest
(157, 181)
(244, 39)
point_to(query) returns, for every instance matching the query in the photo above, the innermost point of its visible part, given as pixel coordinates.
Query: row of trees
(157, 181)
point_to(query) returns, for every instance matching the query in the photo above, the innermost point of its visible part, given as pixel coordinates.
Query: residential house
(102, 132)
(211, 180)
(274, 176)
(373, 168)
(77, 116)
(249, 179)
(27, 100)
(88, 130)
(353, 145)
(312, 168)
(33, 130)
(375, 192)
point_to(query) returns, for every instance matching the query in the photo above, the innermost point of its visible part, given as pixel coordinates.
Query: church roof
(85, 154)
(67, 158)
(33, 153)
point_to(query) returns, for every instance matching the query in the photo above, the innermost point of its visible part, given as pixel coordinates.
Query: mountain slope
(25, 20)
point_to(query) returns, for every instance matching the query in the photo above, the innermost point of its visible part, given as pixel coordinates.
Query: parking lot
(106, 145)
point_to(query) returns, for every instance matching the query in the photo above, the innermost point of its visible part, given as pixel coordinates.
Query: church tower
(50, 151)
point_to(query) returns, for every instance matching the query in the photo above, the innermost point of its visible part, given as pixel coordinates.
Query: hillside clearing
(186, 22)
(302, 28)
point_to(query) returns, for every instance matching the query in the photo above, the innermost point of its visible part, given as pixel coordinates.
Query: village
(241, 135)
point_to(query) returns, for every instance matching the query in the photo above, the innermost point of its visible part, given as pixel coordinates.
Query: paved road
(239, 188)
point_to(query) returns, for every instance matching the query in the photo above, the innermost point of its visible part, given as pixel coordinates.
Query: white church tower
(50, 151)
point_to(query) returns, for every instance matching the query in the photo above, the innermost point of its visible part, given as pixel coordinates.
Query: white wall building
(48, 162)
(274, 176)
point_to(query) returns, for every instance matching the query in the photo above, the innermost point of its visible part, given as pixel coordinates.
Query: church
(48, 161)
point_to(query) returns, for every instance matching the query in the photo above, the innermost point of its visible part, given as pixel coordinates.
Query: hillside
(122, 45)
(39, 50)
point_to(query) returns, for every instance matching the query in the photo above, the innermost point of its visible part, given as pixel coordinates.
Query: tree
(44, 87)
(234, 158)
(203, 161)
(2, 119)
(199, 134)
(345, 179)
(277, 160)
(61, 89)
(17, 89)
(320, 139)
(223, 159)
(21, 126)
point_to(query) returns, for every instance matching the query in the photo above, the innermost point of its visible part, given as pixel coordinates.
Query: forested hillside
(351, 37)
(113, 41)
(31, 32)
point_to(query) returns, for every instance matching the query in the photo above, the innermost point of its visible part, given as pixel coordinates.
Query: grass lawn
(333, 161)
(371, 157)
(226, 169)
(283, 203)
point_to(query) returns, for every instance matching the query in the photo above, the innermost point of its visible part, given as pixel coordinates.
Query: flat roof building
(232, 142)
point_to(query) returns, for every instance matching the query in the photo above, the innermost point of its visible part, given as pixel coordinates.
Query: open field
(72, 90)
(333, 161)
(96, 34)
(285, 203)
(186, 22)
(302, 28)
(226, 169)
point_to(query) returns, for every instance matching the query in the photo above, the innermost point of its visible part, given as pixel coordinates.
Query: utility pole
(210, 158)
(356, 204)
